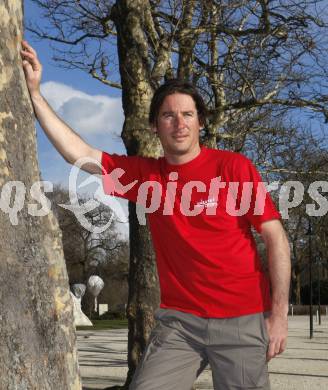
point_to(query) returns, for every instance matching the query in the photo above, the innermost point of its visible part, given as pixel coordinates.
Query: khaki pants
(182, 344)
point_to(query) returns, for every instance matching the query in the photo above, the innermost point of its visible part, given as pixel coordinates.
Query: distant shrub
(299, 310)
(113, 315)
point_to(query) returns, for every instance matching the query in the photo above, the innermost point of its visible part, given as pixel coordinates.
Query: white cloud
(86, 114)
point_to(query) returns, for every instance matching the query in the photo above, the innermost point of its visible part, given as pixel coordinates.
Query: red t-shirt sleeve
(262, 207)
(122, 175)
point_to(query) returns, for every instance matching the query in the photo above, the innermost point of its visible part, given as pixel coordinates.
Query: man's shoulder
(227, 156)
(135, 158)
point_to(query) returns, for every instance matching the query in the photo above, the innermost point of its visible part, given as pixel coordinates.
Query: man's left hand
(277, 327)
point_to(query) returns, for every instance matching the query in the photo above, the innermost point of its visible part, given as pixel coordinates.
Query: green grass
(105, 324)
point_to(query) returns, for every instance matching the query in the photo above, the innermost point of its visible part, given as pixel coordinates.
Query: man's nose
(180, 121)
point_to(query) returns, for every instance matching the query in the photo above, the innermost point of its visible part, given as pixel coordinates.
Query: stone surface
(37, 335)
(80, 319)
(95, 285)
(78, 290)
(303, 366)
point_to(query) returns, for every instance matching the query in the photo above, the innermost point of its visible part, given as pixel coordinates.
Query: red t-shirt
(207, 260)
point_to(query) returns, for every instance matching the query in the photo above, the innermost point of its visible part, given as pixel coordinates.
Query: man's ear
(153, 129)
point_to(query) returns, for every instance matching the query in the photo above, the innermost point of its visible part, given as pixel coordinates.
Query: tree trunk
(136, 96)
(37, 337)
(298, 289)
(296, 283)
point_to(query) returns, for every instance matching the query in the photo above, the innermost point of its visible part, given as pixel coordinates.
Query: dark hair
(177, 86)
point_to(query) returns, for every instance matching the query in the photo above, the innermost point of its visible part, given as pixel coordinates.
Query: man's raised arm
(69, 144)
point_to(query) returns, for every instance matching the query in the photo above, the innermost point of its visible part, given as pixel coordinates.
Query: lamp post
(310, 233)
(319, 282)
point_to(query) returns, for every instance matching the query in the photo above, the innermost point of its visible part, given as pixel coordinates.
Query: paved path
(303, 366)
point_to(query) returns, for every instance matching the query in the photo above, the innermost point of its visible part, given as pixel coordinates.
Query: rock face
(95, 285)
(80, 319)
(37, 336)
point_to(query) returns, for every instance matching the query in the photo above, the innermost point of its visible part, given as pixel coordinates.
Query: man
(215, 299)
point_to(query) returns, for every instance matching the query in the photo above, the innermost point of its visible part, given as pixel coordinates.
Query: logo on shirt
(206, 203)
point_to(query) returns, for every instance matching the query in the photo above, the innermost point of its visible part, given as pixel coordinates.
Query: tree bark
(37, 337)
(129, 17)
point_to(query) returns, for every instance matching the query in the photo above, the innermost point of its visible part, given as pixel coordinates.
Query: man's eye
(188, 114)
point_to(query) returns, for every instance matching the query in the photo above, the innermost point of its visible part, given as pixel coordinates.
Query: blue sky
(92, 109)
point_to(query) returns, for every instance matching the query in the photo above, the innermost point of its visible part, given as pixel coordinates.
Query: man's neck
(176, 159)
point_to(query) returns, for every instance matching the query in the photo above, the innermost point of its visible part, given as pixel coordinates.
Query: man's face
(178, 125)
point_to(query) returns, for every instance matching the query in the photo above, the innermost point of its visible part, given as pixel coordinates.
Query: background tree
(295, 155)
(37, 347)
(114, 271)
(253, 61)
(86, 253)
